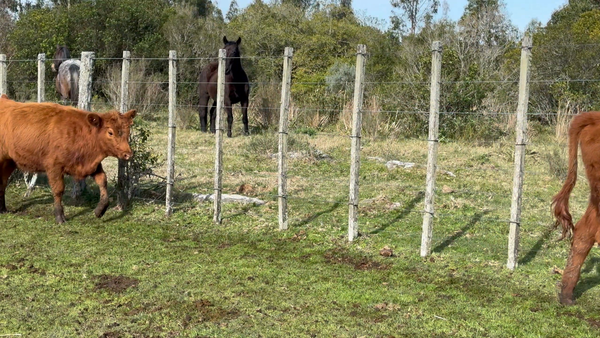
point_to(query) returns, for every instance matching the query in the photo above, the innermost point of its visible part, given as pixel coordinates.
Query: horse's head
(62, 53)
(233, 53)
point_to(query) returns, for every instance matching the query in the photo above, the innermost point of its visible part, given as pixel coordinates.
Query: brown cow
(584, 132)
(58, 140)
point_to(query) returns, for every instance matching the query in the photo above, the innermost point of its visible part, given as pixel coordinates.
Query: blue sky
(520, 12)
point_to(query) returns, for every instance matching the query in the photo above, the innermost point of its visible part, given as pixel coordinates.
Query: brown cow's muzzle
(126, 156)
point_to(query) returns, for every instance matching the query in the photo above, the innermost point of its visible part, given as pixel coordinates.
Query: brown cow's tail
(560, 201)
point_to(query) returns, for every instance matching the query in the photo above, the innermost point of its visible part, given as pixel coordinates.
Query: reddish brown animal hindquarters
(59, 140)
(584, 132)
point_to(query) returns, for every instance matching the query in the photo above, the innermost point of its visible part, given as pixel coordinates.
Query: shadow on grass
(407, 210)
(28, 202)
(87, 202)
(120, 214)
(311, 218)
(155, 193)
(593, 263)
(535, 249)
(244, 210)
(474, 220)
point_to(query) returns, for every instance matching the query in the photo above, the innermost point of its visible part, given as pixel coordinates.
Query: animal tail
(74, 90)
(560, 201)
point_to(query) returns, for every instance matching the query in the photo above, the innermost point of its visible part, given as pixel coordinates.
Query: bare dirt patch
(341, 256)
(209, 312)
(203, 310)
(19, 264)
(595, 323)
(245, 189)
(115, 284)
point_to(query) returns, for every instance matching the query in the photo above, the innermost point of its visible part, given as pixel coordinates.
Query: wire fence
(320, 116)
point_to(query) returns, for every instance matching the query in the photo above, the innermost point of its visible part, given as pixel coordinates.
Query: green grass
(137, 273)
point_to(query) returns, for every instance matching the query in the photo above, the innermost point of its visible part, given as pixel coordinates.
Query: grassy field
(137, 273)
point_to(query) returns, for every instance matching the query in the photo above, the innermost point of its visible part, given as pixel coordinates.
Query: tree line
(480, 57)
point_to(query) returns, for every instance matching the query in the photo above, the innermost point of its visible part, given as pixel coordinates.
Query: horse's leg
(203, 110)
(100, 178)
(64, 92)
(6, 169)
(78, 189)
(244, 105)
(583, 240)
(30, 184)
(229, 110)
(57, 184)
(213, 117)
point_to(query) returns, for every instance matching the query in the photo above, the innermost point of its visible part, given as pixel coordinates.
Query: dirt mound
(115, 284)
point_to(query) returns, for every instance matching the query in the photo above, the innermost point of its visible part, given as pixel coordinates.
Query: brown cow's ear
(239, 40)
(225, 41)
(95, 120)
(4, 96)
(130, 115)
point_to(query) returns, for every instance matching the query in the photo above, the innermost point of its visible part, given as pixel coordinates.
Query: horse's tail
(74, 85)
(560, 201)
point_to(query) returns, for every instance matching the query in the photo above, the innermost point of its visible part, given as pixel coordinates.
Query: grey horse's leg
(30, 184)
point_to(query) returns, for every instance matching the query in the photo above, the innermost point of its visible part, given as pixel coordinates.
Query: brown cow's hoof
(565, 300)
(60, 219)
(100, 210)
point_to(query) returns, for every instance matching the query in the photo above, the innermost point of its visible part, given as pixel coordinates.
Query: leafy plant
(142, 163)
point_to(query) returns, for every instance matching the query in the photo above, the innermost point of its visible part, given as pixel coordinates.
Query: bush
(141, 164)
(146, 94)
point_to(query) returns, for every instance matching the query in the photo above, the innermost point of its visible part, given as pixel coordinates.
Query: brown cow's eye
(110, 133)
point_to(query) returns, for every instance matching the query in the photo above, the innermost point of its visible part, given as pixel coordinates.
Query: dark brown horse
(237, 88)
(67, 77)
(584, 132)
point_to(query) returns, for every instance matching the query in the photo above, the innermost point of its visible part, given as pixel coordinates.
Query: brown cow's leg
(100, 178)
(583, 240)
(57, 184)
(6, 169)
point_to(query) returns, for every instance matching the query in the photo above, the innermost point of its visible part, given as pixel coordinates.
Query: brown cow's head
(113, 132)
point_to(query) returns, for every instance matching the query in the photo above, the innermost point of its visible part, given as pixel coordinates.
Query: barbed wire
(322, 198)
(351, 83)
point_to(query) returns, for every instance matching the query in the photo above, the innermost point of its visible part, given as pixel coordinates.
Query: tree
(202, 8)
(65, 3)
(485, 23)
(304, 4)
(233, 11)
(416, 12)
(6, 25)
(566, 58)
